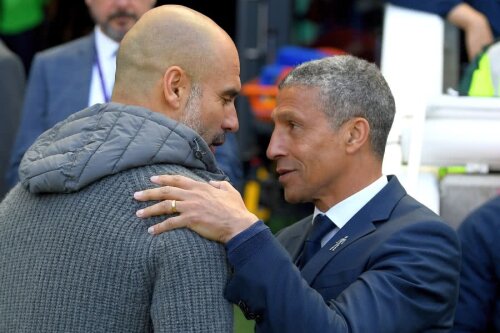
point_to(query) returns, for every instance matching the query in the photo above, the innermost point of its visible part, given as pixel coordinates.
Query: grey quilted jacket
(73, 255)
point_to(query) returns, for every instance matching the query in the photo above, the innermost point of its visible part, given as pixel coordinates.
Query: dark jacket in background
(478, 308)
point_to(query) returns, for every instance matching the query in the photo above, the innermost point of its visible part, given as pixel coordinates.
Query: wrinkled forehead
(296, 101)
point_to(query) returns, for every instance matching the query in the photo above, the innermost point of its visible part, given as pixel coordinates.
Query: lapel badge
(338, 243)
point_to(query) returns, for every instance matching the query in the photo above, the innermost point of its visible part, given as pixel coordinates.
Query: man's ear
(175, 87)
(357, 133)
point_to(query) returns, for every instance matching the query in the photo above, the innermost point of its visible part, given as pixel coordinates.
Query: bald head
(167, 36)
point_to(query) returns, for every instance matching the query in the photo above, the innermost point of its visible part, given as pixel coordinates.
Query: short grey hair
(349, 87)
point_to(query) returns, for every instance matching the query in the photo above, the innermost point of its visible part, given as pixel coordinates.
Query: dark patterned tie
(321, 226)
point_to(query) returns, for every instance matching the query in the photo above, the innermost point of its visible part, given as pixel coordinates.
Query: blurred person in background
(21, 27)
(478, 19)
(478, 308)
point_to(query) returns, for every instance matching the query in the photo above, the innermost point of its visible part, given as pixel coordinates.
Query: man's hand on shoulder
(214, 210)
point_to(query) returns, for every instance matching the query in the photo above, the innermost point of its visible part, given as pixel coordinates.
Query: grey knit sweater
(73, 255)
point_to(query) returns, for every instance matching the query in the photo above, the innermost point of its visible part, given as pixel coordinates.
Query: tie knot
(321, 226)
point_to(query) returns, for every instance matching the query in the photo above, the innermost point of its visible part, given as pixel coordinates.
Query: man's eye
(225, 100)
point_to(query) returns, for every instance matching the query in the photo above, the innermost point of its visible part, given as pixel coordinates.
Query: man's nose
(122, 3)
(231, 123)
(274, 148)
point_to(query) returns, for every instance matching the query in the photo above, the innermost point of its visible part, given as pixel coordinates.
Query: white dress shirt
(342, 212)
(106, 50)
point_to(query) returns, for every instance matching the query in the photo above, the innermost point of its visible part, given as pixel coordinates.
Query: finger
(215, 183)
(160, 193)
(226, 186)
(164, 207)
(177, 181)
(221, 185)
(172, 223)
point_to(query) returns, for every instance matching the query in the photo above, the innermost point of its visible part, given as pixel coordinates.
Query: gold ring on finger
(174, 206)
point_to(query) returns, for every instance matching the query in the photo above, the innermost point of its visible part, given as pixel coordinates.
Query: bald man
(81, 73)
(73, 255)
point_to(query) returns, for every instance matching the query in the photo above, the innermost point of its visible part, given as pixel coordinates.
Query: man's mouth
(218, 141)
(215, 144)
(282, 173)
(122, 15)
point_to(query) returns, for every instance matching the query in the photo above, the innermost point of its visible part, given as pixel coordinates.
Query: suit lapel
(376, 210)
(356, 228)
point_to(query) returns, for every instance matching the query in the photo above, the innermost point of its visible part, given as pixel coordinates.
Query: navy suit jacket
(59, 85)
(394, 267)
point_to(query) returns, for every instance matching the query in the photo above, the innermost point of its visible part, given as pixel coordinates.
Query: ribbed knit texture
(83, 262)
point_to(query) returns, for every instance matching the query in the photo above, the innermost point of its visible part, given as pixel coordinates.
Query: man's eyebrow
(283, 114)
(230, 92)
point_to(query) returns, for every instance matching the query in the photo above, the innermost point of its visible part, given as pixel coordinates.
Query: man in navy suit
(68, 78)
(383, 263)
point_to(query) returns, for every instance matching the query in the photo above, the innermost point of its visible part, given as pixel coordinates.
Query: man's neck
(103, 40)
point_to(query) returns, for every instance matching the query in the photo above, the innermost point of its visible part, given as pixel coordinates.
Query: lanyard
(105, 93)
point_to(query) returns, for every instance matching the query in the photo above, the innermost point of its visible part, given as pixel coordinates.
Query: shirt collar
(342, 212)
(106, 46)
